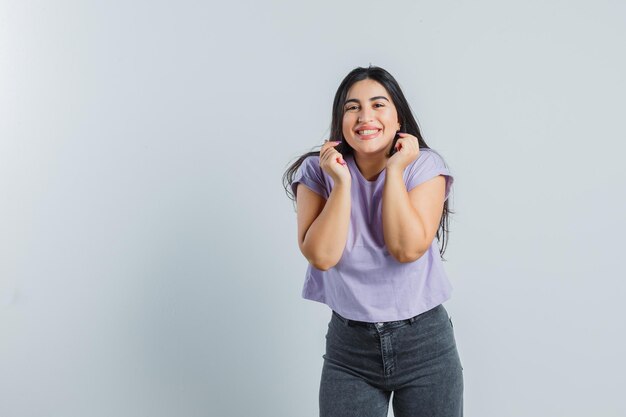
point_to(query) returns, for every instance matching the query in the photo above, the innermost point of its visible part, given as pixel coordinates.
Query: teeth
(367, 132)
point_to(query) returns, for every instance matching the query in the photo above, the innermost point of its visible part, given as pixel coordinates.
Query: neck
(370, 165)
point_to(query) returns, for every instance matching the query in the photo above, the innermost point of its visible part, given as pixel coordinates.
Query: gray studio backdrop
(148, 255)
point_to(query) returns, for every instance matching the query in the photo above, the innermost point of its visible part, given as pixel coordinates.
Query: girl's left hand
(407, 151)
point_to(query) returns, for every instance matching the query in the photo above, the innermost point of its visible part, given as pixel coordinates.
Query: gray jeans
(416, 359)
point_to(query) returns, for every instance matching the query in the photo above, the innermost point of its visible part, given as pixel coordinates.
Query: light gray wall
(149, 264)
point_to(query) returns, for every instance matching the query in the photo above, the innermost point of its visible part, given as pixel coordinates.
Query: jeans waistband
(378, 324)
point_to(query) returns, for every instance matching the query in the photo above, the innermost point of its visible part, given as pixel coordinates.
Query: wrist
(394, 171)
(342, 182)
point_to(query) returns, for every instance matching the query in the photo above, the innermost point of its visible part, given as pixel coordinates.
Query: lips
(366, 127)
(370, 136)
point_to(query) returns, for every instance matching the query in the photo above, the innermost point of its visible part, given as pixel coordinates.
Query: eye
(350, 108)
(381, 104)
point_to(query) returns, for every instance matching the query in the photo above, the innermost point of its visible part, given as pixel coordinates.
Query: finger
(326, 154)
(322, 156)
(332, 155)
(323, 153)
(411, 143)
(406, 136)
(327, 146)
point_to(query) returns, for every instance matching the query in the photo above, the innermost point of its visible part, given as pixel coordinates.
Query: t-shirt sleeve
(311, 175)
(427, 166)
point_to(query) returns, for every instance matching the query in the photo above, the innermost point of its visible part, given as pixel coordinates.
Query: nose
(364, 117)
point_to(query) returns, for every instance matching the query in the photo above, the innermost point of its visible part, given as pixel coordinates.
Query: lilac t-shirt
(368, 283)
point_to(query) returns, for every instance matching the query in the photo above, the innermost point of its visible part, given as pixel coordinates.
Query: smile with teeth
(368, 133)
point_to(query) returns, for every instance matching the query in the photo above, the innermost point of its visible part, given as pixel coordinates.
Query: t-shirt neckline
(381, 174)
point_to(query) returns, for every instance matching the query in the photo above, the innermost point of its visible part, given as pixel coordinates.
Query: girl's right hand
(333, 164)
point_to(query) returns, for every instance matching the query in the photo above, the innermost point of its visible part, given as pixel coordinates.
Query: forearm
(326, 238)
(403, 229)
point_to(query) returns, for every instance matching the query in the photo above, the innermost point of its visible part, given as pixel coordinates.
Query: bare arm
(411, 220)
(323, 224)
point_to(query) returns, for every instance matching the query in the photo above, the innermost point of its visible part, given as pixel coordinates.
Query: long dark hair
(405, 117)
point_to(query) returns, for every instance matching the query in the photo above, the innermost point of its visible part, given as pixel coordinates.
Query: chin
(375, 145)
(367, 150)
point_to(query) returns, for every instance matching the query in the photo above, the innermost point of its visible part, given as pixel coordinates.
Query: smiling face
(368, 101)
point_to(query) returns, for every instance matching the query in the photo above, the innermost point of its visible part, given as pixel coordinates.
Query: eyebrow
(355, 100)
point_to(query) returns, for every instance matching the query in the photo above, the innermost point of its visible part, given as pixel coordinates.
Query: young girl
(369, 205)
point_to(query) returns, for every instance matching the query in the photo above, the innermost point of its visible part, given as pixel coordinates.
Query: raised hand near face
(407, 151)
(332, 162)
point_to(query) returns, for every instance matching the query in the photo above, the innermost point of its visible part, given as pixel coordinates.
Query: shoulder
(311, 174)
(427, 165)
(429, 156)
(311, 166)
(427, 160)
(312, 160)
